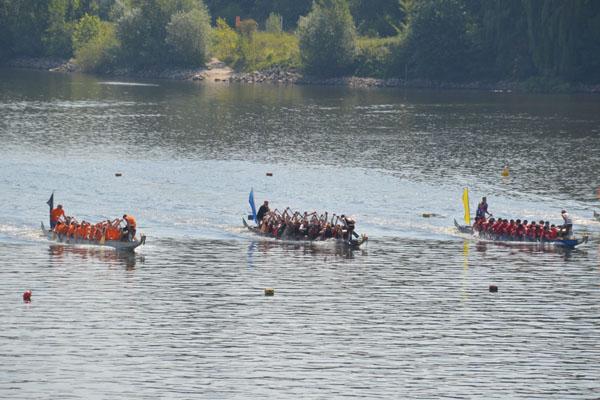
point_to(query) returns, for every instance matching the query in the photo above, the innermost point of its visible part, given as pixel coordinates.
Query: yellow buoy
(269, 292)
(505, 171)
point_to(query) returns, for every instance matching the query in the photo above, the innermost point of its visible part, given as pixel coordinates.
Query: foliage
(377, 18)
(188, 34)
(85, 29)
(269, 49)
(248, 27)
(377, 57)
(274, 23)
(259, 51)
(437, 39)
(259, 10)
(225, 42)
(327, 38)
(57, 37)
(99, 52)
(142, 31)
(545, 43)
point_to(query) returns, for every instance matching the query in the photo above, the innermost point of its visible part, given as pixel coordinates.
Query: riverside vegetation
(546, 45)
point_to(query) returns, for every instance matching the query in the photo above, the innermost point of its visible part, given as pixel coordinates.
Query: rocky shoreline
(217, 72)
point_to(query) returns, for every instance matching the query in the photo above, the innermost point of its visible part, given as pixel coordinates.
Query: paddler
(482, 209)
(568, 223)
(262, 211)
(55, 215)
(130, 228)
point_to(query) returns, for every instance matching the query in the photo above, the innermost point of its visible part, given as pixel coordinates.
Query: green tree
(188, 34)
(377, 18)
(57, 37)
(99, 52)
(274, 23)
(85, 29)
(327, 38)
(142, 30)
(225, 42)
(437, 39)
(563, 37)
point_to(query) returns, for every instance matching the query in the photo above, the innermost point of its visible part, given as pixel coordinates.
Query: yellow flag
(465, 200)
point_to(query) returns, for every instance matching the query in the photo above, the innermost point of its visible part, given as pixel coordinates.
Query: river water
(407, 316)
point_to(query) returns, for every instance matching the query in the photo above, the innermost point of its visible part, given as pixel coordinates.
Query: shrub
(327, 38)
(85, 29)
(225, 42)
(377, 57)
(188, 34)
(274, 23)
(100, 52)
(248, 27)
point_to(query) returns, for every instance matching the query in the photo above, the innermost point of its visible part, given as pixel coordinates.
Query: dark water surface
(408, 316)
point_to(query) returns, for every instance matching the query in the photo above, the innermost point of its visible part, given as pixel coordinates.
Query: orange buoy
(505, 171)
(27, 296)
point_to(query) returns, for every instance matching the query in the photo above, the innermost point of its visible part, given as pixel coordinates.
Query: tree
(85, 29)
(142, 30)
(188, 34)
(377, 17)
(437, 39)
(327, 38)
(100, 51)
(274, 23)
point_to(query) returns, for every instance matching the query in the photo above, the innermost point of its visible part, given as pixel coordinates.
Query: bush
(274, 23)
(327, 38)
(100, 52)
(377, 57)
(248, 27)
(188, 34)
(225, 42)
(269, 49)
(85, 29)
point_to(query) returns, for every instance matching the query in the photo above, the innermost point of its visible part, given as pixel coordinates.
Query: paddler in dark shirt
(482, 209)
(262, 211)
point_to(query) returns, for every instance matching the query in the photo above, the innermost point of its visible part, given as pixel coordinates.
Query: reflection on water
(128, 260)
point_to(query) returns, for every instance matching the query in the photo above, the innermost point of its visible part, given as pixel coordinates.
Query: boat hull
(351, 244)
(567, 243)
(115, 244)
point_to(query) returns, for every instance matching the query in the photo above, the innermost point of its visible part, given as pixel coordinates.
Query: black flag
(50, 201)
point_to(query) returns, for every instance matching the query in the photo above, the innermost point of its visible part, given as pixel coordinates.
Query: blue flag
(252, 206)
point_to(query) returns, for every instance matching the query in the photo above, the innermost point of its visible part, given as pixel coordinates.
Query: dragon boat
(353, 243)
(559, 242)
(121, 245)
(568, 243)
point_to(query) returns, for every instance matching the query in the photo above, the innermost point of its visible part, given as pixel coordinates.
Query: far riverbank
(217, 72)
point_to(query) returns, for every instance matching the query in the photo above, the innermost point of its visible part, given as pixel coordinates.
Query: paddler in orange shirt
(112, 230)
(55, 215)
(130, 228)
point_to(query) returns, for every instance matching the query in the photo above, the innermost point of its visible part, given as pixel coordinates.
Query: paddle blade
(465, 199)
